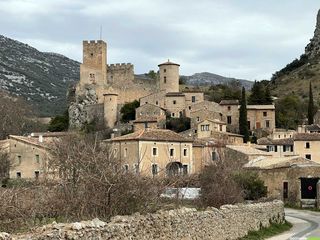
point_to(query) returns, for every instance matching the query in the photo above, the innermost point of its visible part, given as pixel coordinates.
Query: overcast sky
(247, 39)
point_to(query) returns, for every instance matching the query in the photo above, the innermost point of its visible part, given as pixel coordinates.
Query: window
(193, 99)
(185, 152)
(220, 128)
(214, 156)
(195, 131)
(91, 54)
(171, 152)
(174, 101)
(154, 151)
(36, 174)
(136, 168)
(164, 70)
(126, 168)
(229, 108)
(185, 169)
(172, 114)
(276, 148)
(205, 127)
(308, 156)
(285, 190)
(18, 174)
(125, 153)
(19, 159)
(267, 123)
(180, 114)
(307, 145)
(37, 158)
(229, 121)
(157, 102)
(249, 125)
(284, 148)
(146, 125)
(270, 148)
(265, 114)
(198, 119)
(91, 75)
(291, 148)
(165, 79)
(154, 169)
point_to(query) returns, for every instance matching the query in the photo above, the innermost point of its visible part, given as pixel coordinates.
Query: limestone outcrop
(312, 50)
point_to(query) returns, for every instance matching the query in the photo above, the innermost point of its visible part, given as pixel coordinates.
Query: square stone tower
(93, 70)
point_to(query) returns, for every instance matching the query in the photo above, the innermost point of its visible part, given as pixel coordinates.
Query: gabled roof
(175, 94)
(280, 162)
(152, 105)
(163, 135)
(32, 141)
(260, 107)
(229, 102)
(168, 63)
(248, 150)
(214, 121)
(313, 128)
(306, 137)
(269, 141)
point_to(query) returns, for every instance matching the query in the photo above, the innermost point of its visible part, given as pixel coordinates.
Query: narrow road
(305, 224)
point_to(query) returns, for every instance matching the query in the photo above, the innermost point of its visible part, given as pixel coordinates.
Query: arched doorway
(173, 169)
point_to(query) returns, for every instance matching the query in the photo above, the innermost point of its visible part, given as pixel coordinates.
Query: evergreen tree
(310, 106)
(257, 94)
(267, 96)
(243, 121)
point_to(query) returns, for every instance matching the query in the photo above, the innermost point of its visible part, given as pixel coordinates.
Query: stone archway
(173, 169)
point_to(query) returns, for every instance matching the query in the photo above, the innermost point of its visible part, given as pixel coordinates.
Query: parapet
(122, 66)
(93, 42)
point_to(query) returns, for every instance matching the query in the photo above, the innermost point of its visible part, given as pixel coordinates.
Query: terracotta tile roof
(260, 107)
(153, 135)
(175, 94)
(280, 162)
(269, 141)
(313, 128)
(229, 102)
(214, 121)
(248, 150)
(307, 137)
(145, 119)
(33, 141)
(152, 105)
(168, 63)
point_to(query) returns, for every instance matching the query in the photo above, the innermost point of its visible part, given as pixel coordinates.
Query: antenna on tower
(100, 32)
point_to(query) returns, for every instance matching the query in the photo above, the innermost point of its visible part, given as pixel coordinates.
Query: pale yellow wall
(202, 156)
(255, 116)
(140, 152)
(282, 134)
(141, 125)
(179, 106)
(233, 112)
(213, 127)
(203, 114)
(171, 73)
(28, 164)
(157, 99)
(301, 150)
(150, 110)
(198, 97)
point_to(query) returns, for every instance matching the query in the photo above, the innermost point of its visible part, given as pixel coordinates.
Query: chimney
(112, 135)
(40, 138)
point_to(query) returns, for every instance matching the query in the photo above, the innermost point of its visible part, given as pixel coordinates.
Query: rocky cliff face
(312, 50)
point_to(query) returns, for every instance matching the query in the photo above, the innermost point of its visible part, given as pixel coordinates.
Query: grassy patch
(263, 233)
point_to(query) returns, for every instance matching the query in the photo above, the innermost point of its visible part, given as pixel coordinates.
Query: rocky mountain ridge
(41, 78)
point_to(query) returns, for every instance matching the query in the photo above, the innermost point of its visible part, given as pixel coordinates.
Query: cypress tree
(243, 120)
(310, 106)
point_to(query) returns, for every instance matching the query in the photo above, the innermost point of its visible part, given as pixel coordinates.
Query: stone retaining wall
(228, 222)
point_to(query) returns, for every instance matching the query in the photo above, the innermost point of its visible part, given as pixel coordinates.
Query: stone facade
(230, 109)
(208, 126)
(229, 222)
(261, 117)
(169, 77)
(154, 152)
(307, 145)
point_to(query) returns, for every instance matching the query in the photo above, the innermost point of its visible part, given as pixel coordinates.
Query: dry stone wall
(228, 222)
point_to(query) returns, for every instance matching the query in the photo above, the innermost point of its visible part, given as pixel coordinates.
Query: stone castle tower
(93, 70)
(110, 105)
(169, 77)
